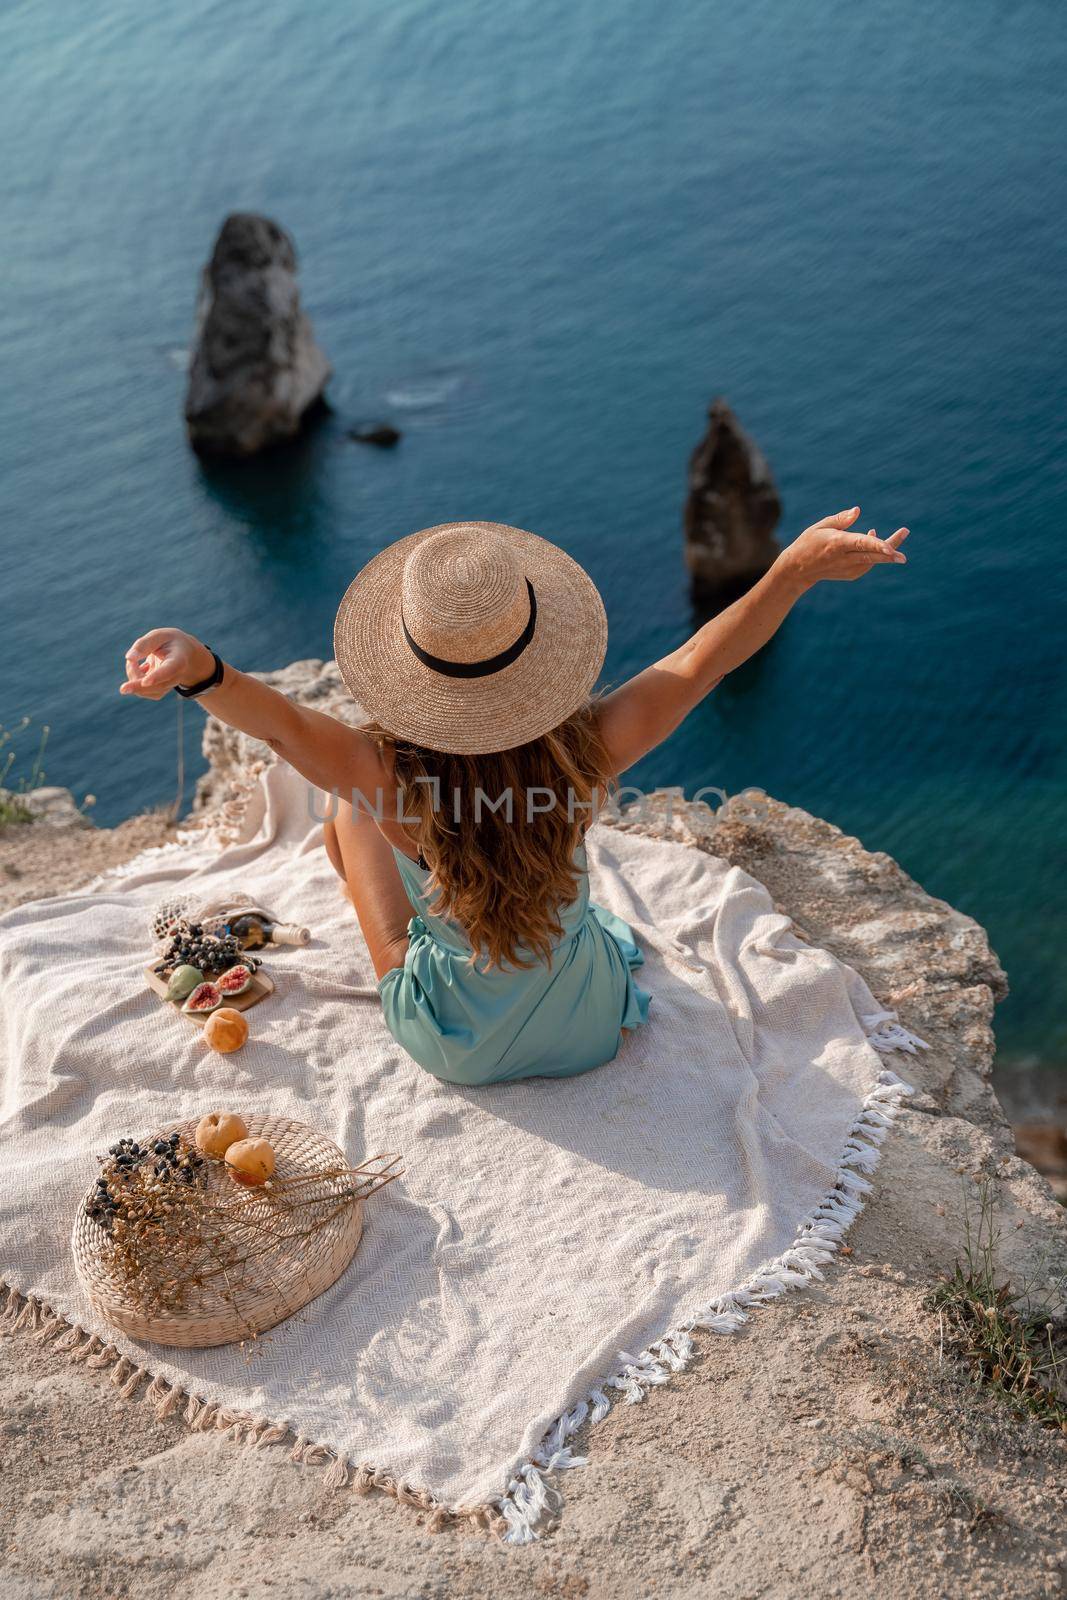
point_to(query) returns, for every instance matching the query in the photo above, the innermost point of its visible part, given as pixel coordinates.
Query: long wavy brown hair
(504, 873)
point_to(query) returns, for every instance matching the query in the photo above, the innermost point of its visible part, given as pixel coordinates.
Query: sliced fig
(183, 980)
(204, 998)
(234, 981)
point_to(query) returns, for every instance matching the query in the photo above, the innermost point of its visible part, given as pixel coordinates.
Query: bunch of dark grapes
(165, 1160)
(192, 946)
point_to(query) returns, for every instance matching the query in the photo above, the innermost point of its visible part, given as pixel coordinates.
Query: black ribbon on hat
(477, 669)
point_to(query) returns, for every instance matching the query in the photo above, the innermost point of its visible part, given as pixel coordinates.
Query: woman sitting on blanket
(474, 648)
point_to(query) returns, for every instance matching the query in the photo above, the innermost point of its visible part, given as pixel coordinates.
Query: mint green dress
(474, 1026)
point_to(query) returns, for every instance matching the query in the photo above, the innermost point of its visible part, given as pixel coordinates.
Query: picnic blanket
(554, 1243)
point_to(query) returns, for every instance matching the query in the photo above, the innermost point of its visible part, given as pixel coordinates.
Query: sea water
(539, 237)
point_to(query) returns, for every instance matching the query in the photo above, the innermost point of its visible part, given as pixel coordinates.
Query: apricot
(218, 1130)
(225, 1030)
(250, 1161)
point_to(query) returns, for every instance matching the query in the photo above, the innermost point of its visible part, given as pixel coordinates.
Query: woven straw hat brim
(549, 681)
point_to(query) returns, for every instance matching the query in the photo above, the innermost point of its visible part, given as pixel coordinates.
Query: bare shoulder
(362, 764)
(380, 796)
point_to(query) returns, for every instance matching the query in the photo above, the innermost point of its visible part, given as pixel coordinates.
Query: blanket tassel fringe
(27, 1314)
(530, 1499)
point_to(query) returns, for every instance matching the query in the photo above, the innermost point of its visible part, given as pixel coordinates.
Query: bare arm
(328, 753)
(643, 712)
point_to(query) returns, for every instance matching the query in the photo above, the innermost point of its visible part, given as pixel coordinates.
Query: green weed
(13, 807)
(1010, 1344)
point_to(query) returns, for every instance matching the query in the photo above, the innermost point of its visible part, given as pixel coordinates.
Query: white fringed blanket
(553, 1243)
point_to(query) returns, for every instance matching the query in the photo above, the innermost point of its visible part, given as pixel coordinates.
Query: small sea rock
(382, 434)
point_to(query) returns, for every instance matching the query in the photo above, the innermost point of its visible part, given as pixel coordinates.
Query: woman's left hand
(829, 550)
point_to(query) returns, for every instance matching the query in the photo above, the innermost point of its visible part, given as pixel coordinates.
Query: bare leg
(363, 858)
(333, 850)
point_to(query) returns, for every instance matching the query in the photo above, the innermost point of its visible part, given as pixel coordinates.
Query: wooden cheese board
(259, 989)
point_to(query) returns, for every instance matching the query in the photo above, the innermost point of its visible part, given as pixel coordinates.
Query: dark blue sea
(539, 237)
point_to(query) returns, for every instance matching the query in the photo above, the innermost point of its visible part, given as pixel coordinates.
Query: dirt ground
(827, 1450)
(38, 860)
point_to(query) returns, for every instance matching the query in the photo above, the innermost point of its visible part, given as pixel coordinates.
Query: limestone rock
(256, 369)
(731, 511)
(50, 805)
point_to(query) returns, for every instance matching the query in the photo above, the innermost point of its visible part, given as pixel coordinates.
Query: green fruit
(183, 980)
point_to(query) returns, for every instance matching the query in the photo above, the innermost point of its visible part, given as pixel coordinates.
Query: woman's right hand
(159, 660)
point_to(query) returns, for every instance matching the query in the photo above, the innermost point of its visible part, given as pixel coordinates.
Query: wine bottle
(254, 929)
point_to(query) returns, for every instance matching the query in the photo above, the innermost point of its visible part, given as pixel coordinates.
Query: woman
(474, 648)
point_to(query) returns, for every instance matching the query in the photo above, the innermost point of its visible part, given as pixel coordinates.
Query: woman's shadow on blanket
(627, 1118)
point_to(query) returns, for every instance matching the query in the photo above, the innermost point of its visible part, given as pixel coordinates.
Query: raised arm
(327, 752)
(643, 712)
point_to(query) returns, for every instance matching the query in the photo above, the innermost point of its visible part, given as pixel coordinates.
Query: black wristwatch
(208, 683)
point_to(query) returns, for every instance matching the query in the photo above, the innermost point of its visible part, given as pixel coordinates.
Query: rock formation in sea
(256, 370)
(382, 434)
(731, 510)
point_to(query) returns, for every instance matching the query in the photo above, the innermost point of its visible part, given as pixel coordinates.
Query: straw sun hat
(471, 637)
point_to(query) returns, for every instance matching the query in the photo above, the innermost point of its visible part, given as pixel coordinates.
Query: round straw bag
(284, 1275)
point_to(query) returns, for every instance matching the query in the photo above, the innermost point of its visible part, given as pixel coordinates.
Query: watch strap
(212, 682)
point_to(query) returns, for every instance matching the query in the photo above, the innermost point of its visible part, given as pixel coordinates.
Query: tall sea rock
(256, 369)
(731, 510)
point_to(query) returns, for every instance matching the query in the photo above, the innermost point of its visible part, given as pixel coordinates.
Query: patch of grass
(1010, 1344)
(13, 807)
(952, 1497)
(13, 810)
(955, 1499)
(879, 1441)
